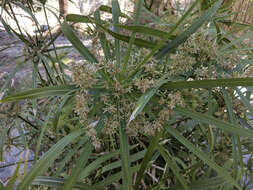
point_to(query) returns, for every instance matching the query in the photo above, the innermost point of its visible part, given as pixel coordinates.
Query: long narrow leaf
(47, 159)
(173, 167)
(233, 129)
(144, 99)
(68, 32)
(81, 162)
(132, 38)
(146, 30)
(85, 19)
(115, 20)
(2, 141)
(103, 40)
(145, 162)
(109, 10)
(245, 101)
(124, 154)
(203, 184)
(58, 182)
(192, 29)
(208, 83)
(162, 42)
(117, 164)
(40, 93)
(43, 129)
(113, 178)
(202, 156)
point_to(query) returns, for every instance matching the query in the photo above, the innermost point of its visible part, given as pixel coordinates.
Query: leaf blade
(40, 93)
(188, 32)
(202, 156)
(47, 159)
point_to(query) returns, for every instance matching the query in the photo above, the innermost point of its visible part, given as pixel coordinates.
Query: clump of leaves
(170, 110)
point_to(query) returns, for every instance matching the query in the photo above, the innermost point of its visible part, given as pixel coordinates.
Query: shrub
(168, 113)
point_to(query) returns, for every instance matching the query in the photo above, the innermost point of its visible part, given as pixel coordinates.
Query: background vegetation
(161, 103)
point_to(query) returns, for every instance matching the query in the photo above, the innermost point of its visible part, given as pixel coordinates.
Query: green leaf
(228, 127)
(132, 39)
(47, 159)
(236, 142)
(173, 166)
(144, 99)
(97, 163)
(113, 178)
(187, 33)
(2, 140)
(2, 186)
(236, 41)
(83, 19)
(102, 37)
(70, 154)
(115, 20)
(146, 160)
(200, 154)
(44, 129)
(124, 155)
(81, 162)
(40, 93)
(68, 32)
(162, 42)
(5, 25)
(146, 30)
(117, 164)
(109, 10)
(203, 184)
(233, 82)
(58, 182)
(64, 99)
(245, 101)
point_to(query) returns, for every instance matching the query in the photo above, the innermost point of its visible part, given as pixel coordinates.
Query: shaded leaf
(47, 159)
(228, 127)
(200, 154)
(40, 93)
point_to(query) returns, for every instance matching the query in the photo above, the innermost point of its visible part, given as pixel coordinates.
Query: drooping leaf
(68, 32)
(84, 19)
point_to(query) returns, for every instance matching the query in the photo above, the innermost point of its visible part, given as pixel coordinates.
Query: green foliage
(171, 115)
